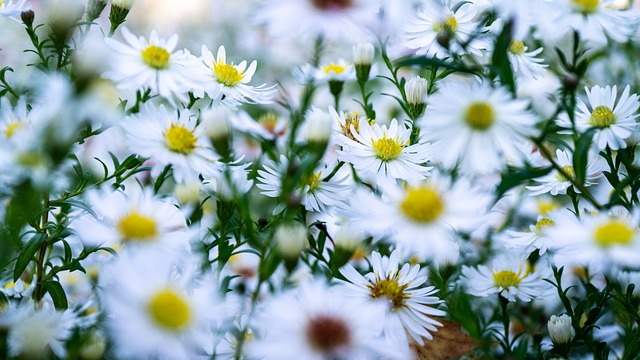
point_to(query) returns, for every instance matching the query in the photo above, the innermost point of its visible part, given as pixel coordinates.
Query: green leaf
(429, 62)
(515, 178)
(580, 155)
(26, 254)
(500, 64)
(23, 208)
(57, 294)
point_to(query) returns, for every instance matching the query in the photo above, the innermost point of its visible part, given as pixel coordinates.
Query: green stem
(505, 322)
(37, 294)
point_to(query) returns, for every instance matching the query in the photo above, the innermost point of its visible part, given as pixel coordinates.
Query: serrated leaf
(581, 155)
(57, 294)
(26, 254)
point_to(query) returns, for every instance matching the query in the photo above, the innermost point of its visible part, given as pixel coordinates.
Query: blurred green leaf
(57, 294)
(581, 155)
(26, 254)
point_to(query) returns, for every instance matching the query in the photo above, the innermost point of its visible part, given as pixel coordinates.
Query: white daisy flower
(409, 301)
(154, 310)
(438, 19)
(270, 126)
(335, 71)
(537, 238)
(615, 120)
(525, 63)
(556, 183)
(136, 216)
(12, 119)
(153, 64)
(228, 82)
(306, 19)
(602, 241)
(508, 276)
(420, 218)
(385, 152)
(171, 139)
(595, 20)
(316, 193)
(14, 8)
(475, 125)
(35, 332)
(314, 323)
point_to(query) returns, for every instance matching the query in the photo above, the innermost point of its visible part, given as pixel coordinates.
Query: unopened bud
(94, 347)
(317, 129)
(119, 11)
(291, 239)
(416, 91)
(216, 124)
(363, 58)
(188, 193)
(95, 8)
(570, 81)
(27, 17)
(560, 329)
(335, 87)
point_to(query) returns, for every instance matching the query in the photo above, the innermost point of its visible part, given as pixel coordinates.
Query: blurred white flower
(556, 183)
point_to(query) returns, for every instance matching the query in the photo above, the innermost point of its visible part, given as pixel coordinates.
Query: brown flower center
(327, 333)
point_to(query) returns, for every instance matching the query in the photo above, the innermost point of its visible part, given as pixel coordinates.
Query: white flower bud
(124, 4)
(348, 239)
(188, 193)
(218, 129)
(317, 128)
(560, 329)
(291, 239)
(363, 54)
(416, 90)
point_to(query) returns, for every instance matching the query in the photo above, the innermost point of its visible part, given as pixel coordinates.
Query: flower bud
(119, 11)
(94, 347)
(363, 58)
(560, 329)
(188, 193)
(317, 129)
(416, 91)
(216, 124)
(27, 17)
(95, 8)
(291, 240)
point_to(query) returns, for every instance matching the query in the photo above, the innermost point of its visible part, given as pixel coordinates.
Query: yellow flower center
(169, 310)
(516, 47)
(390, 289)
(315, 180)
(569, 171)
(602, 117)
(614, 232)
(449, 23)
(387, 149)
(11, 128)
(422, 204)
(334, 68)
(545, 206)
(156, 57)
(587, 6)
(139, 227)
(227, 74)
(506, 278)
(544, 223)
(180, 140)
(479, 116)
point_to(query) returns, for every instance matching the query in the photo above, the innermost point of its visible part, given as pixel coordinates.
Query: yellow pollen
(135, 226)
(334, 68)
(11, 129)
(569, 171)
(169, 310)
(269, 121)
(422, 204)
(387, 149)
(180, 140)
(506, 278)
(544, 223)
(227, 74)
(315, 180)
(602, 117)
(449, 23)
(390, 289)
(156, 57)
(614, 232)
(479, 116)
(516, 47)
(587, 6)
(10, 284)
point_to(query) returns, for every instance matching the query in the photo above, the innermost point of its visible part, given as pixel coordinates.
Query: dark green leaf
(57, 294)
(26, 254)
(500, 64)
(515, 178)
(581, 154)
(428, 62)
